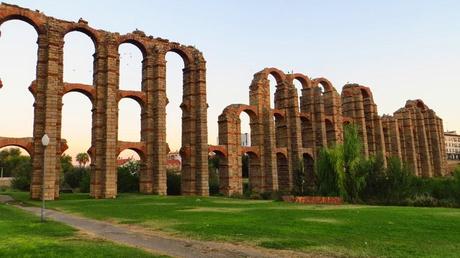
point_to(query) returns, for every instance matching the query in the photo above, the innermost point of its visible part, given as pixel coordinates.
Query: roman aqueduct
(295, 129)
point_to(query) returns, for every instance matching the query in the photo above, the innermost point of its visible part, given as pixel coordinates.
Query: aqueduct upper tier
(104, 94)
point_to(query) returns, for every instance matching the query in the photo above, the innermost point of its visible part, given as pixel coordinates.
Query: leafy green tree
(128, 176)
(376, 180)
(22, 173)
(11, 161)
(66, 163)
(399, 179)
(82, 159)
(353, 177)
(329, 166)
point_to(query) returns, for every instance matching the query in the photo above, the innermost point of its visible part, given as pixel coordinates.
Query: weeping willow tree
(329, 166)
(341, 170)
(353, 178)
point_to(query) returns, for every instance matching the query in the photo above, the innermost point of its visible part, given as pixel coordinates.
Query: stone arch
(284, 178)
(221, 172)
(84, 89)
(134, 115)
(325, 83)
(36, 21)
(23, 143)
(279, 75)
(131, 69)
(218, 149)
(137, 96)
(82, 27)
(16, 87)
(137, 147)
(330, 132)
(186, 57)
(304, 80)
(346, 120)
(76, 123)
(134, 40)
(254, 173)
(179, 95)
(309, 169)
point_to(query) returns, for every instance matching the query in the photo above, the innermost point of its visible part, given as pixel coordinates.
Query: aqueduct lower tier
(49, 88)
(293, 131)
(281, 136)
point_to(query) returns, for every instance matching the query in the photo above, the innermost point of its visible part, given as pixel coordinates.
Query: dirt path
(158, 243)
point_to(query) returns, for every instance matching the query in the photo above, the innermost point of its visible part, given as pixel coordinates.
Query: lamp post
(45, 142)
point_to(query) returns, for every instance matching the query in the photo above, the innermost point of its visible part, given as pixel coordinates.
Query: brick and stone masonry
(49, 88)
(291, 132)
(295, 131)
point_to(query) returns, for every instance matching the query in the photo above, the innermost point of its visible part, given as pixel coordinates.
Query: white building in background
(452, 140)
(245, 139)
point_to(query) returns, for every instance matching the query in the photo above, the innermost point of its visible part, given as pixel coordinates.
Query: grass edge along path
(23, 235)
(348, 230)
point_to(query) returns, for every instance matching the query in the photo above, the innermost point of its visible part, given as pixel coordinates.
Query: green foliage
(22, 174)
(352, 180)
(85, 182)
(66, 163)
(12, 162)
(17, 166)
(173, 182)
(399, 178)
(128, 177)
(82, 159)
(78, 179)
(329, 166)
(213, 169)
(245, 165)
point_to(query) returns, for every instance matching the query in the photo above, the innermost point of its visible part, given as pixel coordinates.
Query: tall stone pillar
(148, 125)
(105, 119)
(48, 103)
(158, 103)
(201, 129)
(188, 179)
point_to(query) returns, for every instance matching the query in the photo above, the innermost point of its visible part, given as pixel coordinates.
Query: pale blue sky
(401, 49)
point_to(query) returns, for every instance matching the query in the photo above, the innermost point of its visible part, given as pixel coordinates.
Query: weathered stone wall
(296, 130)
(49, 88)
(415, 134)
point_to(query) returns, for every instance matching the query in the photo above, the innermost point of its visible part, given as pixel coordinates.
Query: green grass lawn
(23, 235)
(348, 230)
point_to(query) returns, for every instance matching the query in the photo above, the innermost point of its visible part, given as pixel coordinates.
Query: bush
(22, 175)
(85, 182)
(376, 180)
(77, 178)
(399, 180)
(127, 180)
(422, 200)
(173, 182)
(213, 182)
